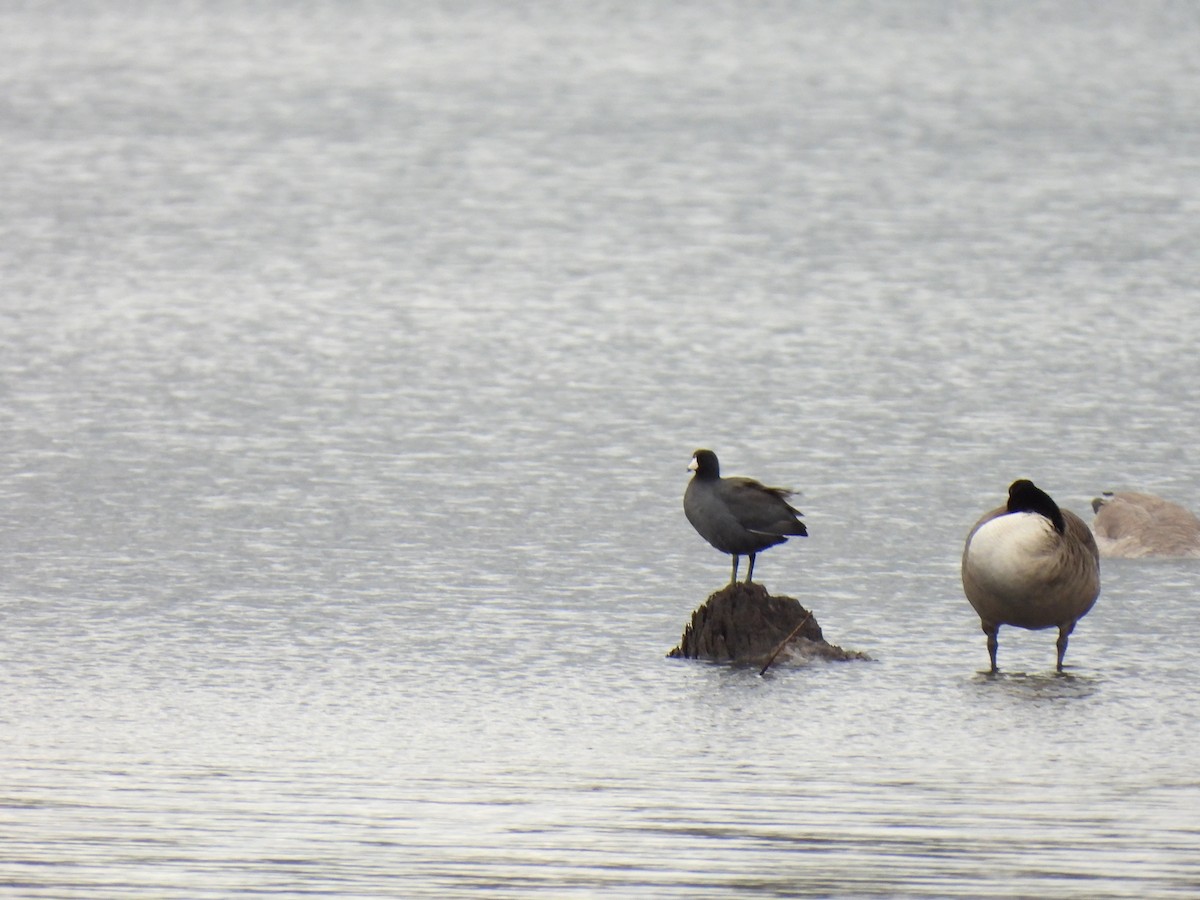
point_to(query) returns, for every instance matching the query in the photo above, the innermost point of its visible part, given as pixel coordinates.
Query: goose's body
(738, 516)
(1032, 565)
(1131, 524)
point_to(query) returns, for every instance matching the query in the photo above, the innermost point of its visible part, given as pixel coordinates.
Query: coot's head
(704, 464)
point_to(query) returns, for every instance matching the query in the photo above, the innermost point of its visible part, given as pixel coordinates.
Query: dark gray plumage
(1032, 565)
(738, 516)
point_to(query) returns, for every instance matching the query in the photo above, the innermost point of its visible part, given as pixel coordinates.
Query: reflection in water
(1042, 685)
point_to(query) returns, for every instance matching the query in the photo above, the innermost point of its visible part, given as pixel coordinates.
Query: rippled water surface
(351, 358)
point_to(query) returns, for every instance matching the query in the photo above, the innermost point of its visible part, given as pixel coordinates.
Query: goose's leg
(733, 577)
(1064, 632)
(750, 574)
(992, 643)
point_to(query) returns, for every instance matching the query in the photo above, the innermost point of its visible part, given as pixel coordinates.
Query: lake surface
(351, 359)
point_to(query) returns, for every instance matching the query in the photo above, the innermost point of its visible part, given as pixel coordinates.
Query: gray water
(351, 359)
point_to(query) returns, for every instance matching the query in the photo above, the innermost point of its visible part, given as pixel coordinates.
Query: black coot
(737, 515)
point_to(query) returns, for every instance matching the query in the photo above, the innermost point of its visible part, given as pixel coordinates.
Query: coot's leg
(733, 577)
(750, 574)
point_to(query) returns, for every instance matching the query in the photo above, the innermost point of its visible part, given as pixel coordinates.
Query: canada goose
(1130, 524)
(1031, 565)
(737, 515)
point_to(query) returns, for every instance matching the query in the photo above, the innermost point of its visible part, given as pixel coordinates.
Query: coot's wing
(760, 508)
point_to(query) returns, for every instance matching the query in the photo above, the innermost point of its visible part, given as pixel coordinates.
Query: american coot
(1032, 565)
(1130, 524)
(737, 515)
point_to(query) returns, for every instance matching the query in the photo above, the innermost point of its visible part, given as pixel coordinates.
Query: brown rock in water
(742, 623)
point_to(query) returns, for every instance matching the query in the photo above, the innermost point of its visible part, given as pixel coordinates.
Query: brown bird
(1032, 565)
(1129, 524)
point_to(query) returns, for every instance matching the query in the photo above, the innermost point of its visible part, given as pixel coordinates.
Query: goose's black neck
(1025, 496)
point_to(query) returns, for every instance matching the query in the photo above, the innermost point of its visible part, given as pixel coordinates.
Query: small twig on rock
(784, 642)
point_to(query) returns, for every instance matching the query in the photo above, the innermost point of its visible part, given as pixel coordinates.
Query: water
(351, 358)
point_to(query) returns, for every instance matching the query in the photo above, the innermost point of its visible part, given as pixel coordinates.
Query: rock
(742, 623)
